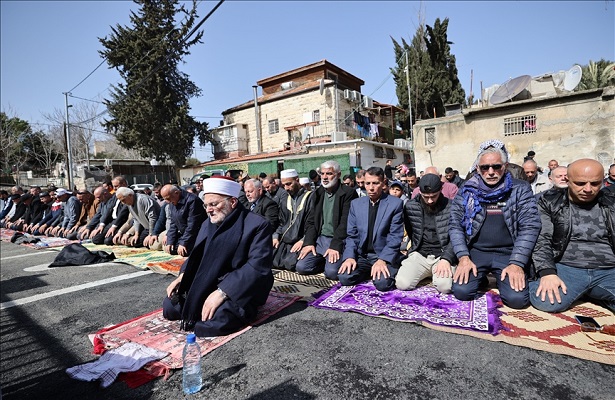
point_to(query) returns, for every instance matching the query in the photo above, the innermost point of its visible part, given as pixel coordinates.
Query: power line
(81, 98)
(162, 62)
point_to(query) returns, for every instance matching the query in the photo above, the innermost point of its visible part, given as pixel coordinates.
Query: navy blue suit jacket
(388, 228)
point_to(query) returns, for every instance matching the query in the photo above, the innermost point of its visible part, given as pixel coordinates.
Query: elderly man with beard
(288, 238)
(559, 177)
(325, 230)
(575, 252)
(494, 226)
(426, 218)
(228, 274)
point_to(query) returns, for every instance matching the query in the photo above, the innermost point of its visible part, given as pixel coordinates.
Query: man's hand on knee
(380, 270)
(516, 277)
(213, 301)
(549, 287)
(347, 266)
(462, 273)
(306, 250)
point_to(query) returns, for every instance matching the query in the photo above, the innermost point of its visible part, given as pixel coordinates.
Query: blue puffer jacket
(521, 216)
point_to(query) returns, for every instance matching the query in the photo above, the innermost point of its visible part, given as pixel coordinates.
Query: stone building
(304, 117)
(562, 126)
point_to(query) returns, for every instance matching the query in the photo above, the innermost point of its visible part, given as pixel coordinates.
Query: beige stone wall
(567, 129)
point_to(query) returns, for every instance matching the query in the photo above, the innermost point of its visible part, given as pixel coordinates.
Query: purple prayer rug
(424, 303)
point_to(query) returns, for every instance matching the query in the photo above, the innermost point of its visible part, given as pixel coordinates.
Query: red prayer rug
(556, 333)
(152, 330)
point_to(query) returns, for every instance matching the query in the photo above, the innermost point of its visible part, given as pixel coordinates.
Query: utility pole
(409, 97)
(69, 162)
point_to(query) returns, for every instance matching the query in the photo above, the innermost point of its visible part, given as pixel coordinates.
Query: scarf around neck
(475, 191)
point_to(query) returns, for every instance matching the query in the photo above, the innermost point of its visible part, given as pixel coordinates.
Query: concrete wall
(567, 128)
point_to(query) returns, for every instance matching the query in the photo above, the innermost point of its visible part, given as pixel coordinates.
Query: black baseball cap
(430, 183)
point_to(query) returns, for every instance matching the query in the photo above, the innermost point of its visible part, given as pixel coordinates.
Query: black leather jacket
(554, 207)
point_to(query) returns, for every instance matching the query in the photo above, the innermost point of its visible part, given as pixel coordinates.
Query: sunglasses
(485, 167)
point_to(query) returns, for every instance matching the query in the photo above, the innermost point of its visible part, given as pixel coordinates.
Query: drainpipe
(259, 146)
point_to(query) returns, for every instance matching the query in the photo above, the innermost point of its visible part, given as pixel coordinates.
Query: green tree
(433, 71)
(597, 75)
(150, 110)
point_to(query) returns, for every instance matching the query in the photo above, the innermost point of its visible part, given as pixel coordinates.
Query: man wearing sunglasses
(494, 226)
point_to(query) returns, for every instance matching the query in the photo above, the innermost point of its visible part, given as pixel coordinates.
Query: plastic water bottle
(192, 378)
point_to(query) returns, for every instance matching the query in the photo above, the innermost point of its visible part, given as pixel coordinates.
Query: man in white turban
(228, 274)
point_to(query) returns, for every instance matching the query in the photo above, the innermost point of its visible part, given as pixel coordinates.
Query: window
(391, 154)
(430, 136)
(378, 152)
(347, 118)
(332, 76)
(520, 125)
(274, 127)
(316, 116)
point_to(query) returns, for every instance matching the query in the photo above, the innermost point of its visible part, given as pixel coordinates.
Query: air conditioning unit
(368, 102)
(356, 96)
(403, 143)
(348, 94)
(338, 136)
(287, 85)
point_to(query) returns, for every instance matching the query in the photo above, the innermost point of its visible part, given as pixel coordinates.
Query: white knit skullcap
(288, 173)
(304, 181)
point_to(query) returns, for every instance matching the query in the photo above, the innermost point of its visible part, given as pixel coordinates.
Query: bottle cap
(191, 338)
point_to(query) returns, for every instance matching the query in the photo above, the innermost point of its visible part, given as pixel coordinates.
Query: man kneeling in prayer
(228, 274)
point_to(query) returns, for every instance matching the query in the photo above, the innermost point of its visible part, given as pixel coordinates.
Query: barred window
(520, 125)
(316, 116)
(391, 154)
(347, 118)
(274, 127)
(430, 136)
(378, 152)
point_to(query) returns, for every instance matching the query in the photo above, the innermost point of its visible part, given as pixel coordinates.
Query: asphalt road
(301, 353)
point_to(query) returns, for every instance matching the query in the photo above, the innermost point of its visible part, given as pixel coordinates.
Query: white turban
(221, 185)
(304, 181)
(288, 173)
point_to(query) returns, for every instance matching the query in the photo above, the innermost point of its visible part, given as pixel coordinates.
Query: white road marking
(26, 255)
(53, 293)
(44, 267)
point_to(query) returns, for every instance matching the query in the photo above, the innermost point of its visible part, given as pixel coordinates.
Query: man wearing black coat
(325, 230)
(261, 204)
(426, 219)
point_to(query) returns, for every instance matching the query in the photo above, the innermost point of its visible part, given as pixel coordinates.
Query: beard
(430, 208)
(218, 216)
(332, 182)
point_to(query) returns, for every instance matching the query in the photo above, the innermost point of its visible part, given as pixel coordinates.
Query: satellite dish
(510, 89)
(572, 78)
(322, 85)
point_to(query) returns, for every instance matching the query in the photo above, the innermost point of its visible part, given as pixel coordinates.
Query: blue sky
(48, 47)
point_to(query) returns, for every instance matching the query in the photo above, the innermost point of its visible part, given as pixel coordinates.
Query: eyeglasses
(485, 167)
(214, 204)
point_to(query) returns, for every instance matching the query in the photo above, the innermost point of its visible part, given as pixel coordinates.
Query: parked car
(141, 186)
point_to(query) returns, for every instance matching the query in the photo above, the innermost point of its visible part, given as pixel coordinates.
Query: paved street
(301, 353)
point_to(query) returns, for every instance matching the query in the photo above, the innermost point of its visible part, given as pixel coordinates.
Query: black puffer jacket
(554, 207)
(414, 221)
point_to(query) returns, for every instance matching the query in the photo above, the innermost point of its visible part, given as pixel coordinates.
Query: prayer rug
(142, 258)
(153, 331)
(556, 333)
(305, 286)
(44, 243)
(424, 303)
